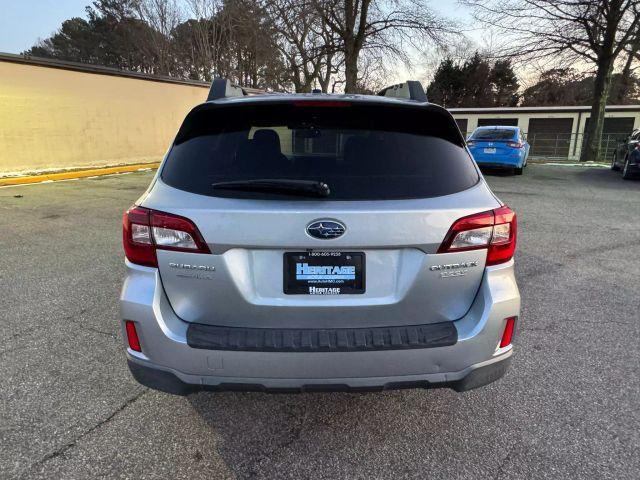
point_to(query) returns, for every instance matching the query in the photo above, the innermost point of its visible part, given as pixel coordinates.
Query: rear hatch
(359, 251)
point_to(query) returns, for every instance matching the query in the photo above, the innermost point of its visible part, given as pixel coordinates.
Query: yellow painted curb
(92, 172)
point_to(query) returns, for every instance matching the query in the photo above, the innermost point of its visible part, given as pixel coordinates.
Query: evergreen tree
(475, 83)
(448, 85)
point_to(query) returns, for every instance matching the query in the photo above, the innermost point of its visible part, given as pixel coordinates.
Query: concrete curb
(91, 172)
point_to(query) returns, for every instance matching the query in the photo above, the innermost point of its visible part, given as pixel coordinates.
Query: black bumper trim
(497, 165)
(211, 337)
(169, 383)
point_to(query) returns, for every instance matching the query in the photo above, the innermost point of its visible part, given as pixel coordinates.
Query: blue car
(499, 146)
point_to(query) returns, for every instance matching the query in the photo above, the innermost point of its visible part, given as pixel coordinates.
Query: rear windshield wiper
(305, 188)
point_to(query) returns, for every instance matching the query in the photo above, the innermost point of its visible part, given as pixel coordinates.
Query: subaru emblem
(325, 229)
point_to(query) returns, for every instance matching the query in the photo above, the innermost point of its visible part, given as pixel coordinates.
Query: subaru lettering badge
(325, 229)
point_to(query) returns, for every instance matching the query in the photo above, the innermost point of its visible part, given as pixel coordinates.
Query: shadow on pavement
(497, 172)
(604, 177)
(280, 435)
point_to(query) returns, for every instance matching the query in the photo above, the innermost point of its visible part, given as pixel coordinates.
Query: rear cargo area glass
(361, 151)
(494, 134)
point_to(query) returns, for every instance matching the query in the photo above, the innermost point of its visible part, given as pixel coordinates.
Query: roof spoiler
(411, 90)
(223, 88)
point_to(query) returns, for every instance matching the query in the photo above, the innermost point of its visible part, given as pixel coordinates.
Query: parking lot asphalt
(568, 408)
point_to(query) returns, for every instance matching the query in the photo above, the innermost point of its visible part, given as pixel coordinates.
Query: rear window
(494, 134)
(362, 152)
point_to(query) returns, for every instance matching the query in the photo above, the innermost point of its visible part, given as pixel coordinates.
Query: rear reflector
(144, 231)
(132, 336)
(508, 332)
(514, 144)
(495, 230)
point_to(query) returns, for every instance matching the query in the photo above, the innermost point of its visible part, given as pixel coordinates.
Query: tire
(614, 163)
(625, 171)
(518, 170)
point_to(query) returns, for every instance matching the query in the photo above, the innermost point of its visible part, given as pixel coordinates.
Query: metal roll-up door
(613, 131)
(549, 137)
(462, 125)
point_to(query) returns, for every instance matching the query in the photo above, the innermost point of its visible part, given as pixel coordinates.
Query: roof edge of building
(95, 69)
(567, 108)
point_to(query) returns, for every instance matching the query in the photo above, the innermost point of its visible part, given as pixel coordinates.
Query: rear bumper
(499, 161)
(168, 363)
(170, 381)
(497, 165)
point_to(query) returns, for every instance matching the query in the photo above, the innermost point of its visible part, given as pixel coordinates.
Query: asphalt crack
(95, 330)
(504, 461)
(69, 445)
(83, 326)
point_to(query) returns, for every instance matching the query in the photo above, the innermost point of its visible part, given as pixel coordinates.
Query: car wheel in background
(614, 163)
(626, 174)
(518, 170)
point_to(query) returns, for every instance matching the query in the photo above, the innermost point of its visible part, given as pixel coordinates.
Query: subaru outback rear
(318, 242)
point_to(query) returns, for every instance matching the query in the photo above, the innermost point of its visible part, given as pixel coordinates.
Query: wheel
(626, 174)
(517, 170)
(614, 163)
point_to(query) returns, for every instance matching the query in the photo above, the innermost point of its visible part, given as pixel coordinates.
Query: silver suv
(318, 242)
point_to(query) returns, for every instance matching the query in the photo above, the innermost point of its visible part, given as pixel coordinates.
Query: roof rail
(223, 88)
(411, 89)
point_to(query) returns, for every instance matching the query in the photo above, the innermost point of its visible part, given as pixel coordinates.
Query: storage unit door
(462, 125)
(613, 131)
(550, 137)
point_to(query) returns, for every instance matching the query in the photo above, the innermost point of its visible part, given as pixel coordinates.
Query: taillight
(136, 237)
(514, 144)
(495, 230)
(503, 241)
(144, 231)
(321, 103)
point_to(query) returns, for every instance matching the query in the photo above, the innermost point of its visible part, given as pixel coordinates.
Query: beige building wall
(58, 118)
(52, 118)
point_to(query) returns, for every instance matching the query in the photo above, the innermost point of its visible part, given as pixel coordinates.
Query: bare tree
(331, 60)
(275, 44)
(630, 65)
(567, 32)
(389, 26)
(300, 40)
(206, 38)
(162, 16)
(254, 56)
